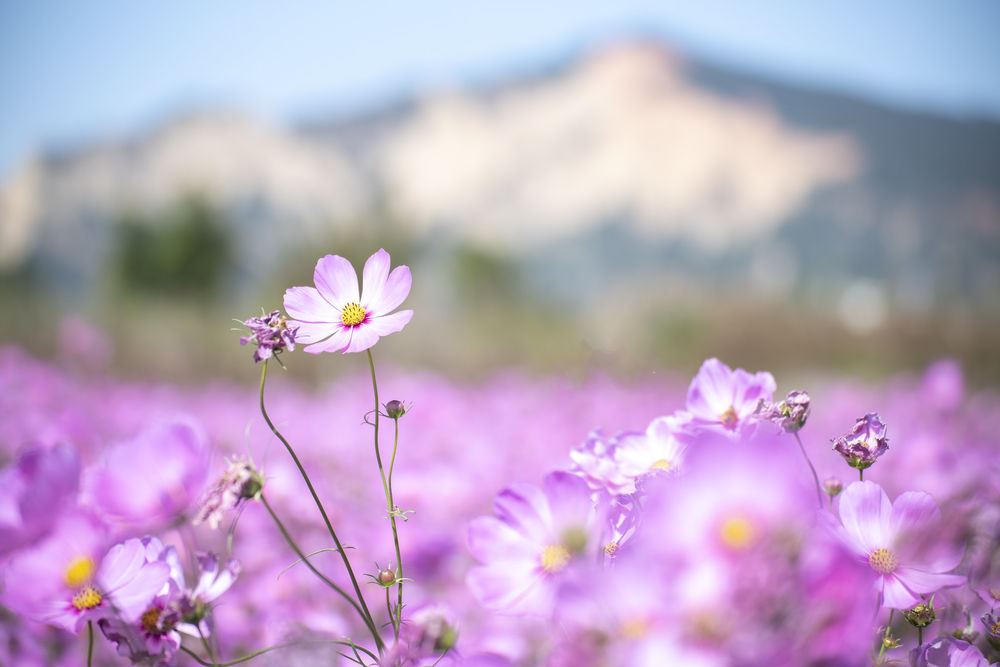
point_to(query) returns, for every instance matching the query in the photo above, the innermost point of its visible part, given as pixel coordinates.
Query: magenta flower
(888, 537)
(528, 548)
(34, 491)
(334, 317)
(60, 582)
(153, 477)
(723, 400)
(947, 652)
(864, 443)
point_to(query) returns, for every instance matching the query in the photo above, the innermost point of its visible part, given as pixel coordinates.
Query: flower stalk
(363, 610)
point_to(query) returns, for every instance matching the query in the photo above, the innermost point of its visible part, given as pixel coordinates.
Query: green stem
(398, 619)
(369, 621)
(253, 655)
(819, 491)
(208, 647)
(395, 536)
(323, 577)
(920, 637)
(861, 474)
(90, 643)
(883, 648)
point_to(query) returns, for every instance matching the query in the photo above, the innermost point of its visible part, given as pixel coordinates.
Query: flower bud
(386, 577)
(921, 615)
(395, 409)
(832, 486)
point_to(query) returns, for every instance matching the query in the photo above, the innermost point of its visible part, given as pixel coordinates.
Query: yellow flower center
(883, 561)
(554, 558)
(79, 572)
(736, 532)
(634, 628)
(662, 464)
(151, 621)
(86, 598)
(353, 314)
(611, 548)
(729, 417)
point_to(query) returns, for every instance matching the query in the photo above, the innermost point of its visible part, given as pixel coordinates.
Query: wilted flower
(241, 482)
(272, 333)
(947, 652)
(332, 317)
(885, 535)
(864, 443)
(790, 414)
(921, 615)
(992, 623)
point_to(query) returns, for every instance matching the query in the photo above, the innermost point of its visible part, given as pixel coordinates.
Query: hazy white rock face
(228, 158)
(622, 136)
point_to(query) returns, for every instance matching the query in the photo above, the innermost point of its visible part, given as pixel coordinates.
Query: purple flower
(947, 652)
(889, 537)
(241, 482)
(864, 443)
(529, 546)
(722, 400)
(332, 317)
(34, 492)
(153, 477)
(272, 334)
(426, 633)
(790, 414)
(59, 581)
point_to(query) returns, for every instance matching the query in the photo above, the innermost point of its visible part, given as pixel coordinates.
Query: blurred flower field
(537, 521)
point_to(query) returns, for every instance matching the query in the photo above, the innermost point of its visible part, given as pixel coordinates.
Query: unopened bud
(832, 486)
(395, 409)
(921, 615)
(386, 577)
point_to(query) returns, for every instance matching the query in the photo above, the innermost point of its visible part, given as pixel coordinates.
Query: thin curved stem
(323, 577)
(812, 469)
(262, 651)
(90, 643)
(366, 614)
(397, 618)
(208, 647)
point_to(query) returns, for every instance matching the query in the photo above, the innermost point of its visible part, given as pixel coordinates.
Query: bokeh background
(623, 188)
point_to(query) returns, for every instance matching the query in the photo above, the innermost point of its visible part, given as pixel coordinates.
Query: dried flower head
(790, 414)
(241, 482)
(864, 443)
(272, 333)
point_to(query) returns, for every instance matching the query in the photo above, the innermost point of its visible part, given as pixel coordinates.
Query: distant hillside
(629, 169)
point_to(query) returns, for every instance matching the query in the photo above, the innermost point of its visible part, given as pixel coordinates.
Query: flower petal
(491, 540)
(375, 273)
(517, 589)
(134, 596)
(865, 512)
(313, 332)
(387, 324)
(306, 304)
(924, 583)
(335, 343)
(525, 507)
(362, 338)
(336, 280)
(393, 293)
(896, 595)
(711, 390)
(912, 512)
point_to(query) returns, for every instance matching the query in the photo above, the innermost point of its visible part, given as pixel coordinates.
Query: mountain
(625, 168)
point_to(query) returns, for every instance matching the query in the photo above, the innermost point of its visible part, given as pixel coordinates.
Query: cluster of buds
(864, 443)
(790, 414)
(271, 333)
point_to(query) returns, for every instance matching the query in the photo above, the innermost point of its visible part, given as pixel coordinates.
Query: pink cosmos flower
(723, 400)
(947, 652)
(334, 317)
(34, 491)
(530, 546)
(886, 535)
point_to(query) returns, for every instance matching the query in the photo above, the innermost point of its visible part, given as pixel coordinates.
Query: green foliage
(184, 252)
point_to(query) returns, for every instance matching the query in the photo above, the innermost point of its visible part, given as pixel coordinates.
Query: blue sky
(74, 71)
